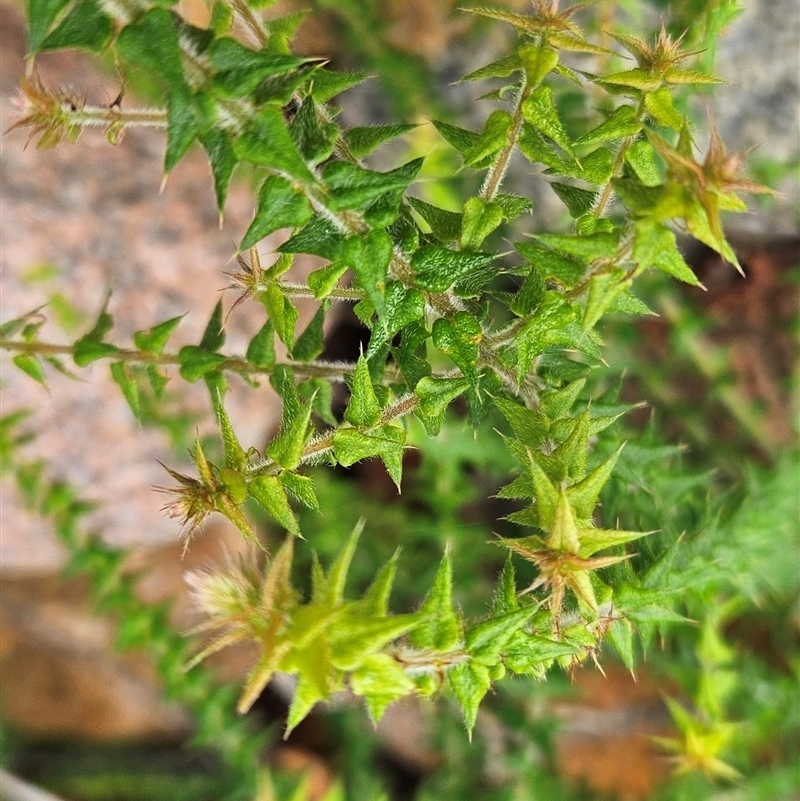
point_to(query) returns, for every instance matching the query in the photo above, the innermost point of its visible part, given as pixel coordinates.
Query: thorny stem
(494, 178)
(103, 116)
(333, 371)
(296, 290)
(323, 442)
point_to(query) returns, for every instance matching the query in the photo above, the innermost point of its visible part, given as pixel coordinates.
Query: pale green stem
(333, 371)
(494, 178)
(323, 442)
(103, 116)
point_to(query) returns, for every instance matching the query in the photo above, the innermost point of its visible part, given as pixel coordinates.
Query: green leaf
(380, 680)
(195, 362)
(338, 574)
(354, 187)
(537, 62)
(620, 635)
(312, 666)
(318, 237)
(598, 539)
(376, 599)
(234, 453)
(485, 641)
(152, 43)
(361, 141)
(238, 70)
(324, 280)
(539, 110)
(354, 638)
(621, 122)
(85, 26)
(267, 142)
(282, 313)
(490, 140)
(445, 225)
(480, 218)
(31, 366)
(567, 270)
(87, 350)
(578, 201)
(642, 157)
(121, 373)
(584, 494)
(315, 139)
(513, 206)
(470, 682)
(435, 395)
(572, 451)
(655, 245)
(363, 410)
(182, 126)
(329, 83)
(369, 257)
(269, 492)
(41, 16)
(459, 339)
(505, 596)
(546, 494)
(301, 488)
(529, 426)
(594, 246)
(638, 78)
(311, 342)
(287, 448)
(280, 205)
(661, 108)
(261, 349)
(155, 339)
(501, 68)
(604, 288)
(439, 627)
(214, 333)
(437, 268)
(460, 138)
(351, 445)
(557, 403)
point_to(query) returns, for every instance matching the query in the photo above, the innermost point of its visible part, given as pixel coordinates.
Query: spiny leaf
(361, 141)
(435, 395)
(437, 268)
(490, 140)
(459, 339)
(439, 628)
(287, 448)
(445, 225)
(583, 495)
(312, 341)
(155, 339)
(363, 408)
(380, 680)
(351, 445)
(620, 123)
(280, 205)
(339, 569)
(480, 218)
(261, 349)
(269, 492)
(485, 641)
(369, 258)
(470, 682)
(539, 110)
